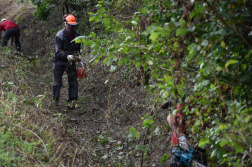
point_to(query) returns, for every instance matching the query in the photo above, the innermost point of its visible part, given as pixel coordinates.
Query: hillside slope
(95, 134)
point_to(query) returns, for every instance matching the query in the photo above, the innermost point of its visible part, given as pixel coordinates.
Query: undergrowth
(24, 140)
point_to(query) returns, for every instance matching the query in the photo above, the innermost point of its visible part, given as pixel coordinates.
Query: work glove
(183, 143)
(70, 58)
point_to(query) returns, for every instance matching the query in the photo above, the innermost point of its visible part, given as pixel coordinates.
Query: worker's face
(70, 28)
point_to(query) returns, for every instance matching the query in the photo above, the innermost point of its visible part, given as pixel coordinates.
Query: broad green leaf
(120, 62)
(110, 55)
(193, 14)
(222, 126)
(203, 141)
(238, 164)
(167, 29)
(154, 35)
(214, 153)
(165, 94)
(247, 119)
(150, 62)
(106, 20)
(92, 34)
(167, 78)
(91, 18)
(231, 61)
(109, 62)
(158, 29)
(144, 35)
(156, 32)
(96, 60)
(193, 48)
(150, 29)
(223, 142)
(218, 68)
(131, 134)
(150, 121)
(97, 19)
(145, 123)
(79, 39)
(136, 19)
(223, 44)
(236, 122)
(191, 55)
(93, 46)
(138, 64)
(181, 31)
(182, 22)
(137, 135)
(132, 129)
(204, 43)
(207, 68)
(105, 60)
(134, 23)
(238, 148)
(170, 84)
(138, 147)
(212, 86)
(197, 123)
(199, 9)
(87, 42)
(164, 157)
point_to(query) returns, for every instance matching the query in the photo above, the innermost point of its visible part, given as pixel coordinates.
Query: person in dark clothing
(11, 30)
(64, 60)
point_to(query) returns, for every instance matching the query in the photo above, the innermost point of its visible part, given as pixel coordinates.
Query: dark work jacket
(63, 47)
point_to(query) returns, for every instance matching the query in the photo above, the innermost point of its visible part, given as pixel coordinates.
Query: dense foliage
(198, 53)
(21, 140)
(44, 7)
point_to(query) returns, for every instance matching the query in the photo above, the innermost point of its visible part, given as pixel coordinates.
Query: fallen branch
(93, 121)
(2, 66)
(60, 154)
(74, 155)
(144, 141)
(56, 152)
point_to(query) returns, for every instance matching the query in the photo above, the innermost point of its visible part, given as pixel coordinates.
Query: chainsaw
(81, 72)
(186, 157)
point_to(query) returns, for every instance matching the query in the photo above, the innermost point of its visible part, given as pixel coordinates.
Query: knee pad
(57, 84)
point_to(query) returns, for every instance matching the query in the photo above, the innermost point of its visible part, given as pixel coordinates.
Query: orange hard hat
(70, 19)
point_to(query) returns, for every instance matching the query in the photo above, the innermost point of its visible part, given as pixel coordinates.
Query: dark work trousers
(10, 33)
(71, 71)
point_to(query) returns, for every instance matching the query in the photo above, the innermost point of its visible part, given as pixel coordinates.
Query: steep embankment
(11, 10)
(96, 133)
